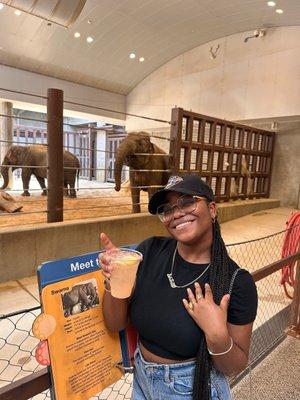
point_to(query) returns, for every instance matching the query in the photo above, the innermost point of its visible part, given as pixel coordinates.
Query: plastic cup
(125, 263)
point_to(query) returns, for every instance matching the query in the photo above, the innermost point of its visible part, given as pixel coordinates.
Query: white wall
(257, 79)
(101, 155)
(29, 82)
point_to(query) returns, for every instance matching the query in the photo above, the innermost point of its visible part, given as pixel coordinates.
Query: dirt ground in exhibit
(88, 204)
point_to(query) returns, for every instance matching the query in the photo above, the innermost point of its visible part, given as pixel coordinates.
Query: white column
(6, 134)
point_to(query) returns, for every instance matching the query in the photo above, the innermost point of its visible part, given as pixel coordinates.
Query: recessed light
(279, 11)
(77, 34)
(271, 3)
(18, 12)
(132, 56)
(141, 59)
(89, 39)
(89, 21)
(1, 6)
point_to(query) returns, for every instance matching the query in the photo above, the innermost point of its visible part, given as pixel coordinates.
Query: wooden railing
(234, 159)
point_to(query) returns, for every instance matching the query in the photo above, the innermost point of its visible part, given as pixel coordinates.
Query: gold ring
(198, 296)
(191, 306)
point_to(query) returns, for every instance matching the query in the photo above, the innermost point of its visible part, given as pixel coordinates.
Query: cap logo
(173, 180)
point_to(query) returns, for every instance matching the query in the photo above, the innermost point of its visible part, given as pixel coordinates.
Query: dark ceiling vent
(60, 12)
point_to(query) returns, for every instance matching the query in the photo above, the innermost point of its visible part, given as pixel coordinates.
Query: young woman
(192, 306)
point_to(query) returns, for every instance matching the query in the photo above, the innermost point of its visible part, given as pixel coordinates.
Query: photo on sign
(80, 298)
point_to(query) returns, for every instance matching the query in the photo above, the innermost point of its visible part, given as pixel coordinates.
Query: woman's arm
(233, 362)
(115, 311)
(219, 333)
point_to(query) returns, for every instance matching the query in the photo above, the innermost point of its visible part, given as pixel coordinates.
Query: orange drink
(125, 263)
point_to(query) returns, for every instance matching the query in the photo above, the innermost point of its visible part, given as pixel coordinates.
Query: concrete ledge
(22, 250)
(239, 208)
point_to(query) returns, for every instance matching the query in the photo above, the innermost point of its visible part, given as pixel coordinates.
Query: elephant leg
(135, 196)
(72, 192)
(151, 192)
(85, 302)
(26, 174)
(41, 181)
(66, 190)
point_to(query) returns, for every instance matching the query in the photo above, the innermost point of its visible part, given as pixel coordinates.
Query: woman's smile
(183, 225)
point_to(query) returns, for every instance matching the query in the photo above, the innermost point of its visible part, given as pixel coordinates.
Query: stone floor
(276, 377)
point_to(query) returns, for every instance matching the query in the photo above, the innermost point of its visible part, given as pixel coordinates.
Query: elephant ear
(12, 156)
(152, 148)
(15, 154)
(144, 146)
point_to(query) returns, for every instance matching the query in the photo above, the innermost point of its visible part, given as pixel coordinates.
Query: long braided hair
(219, 283)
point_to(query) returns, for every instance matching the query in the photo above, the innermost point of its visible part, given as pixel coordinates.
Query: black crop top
(157, 312)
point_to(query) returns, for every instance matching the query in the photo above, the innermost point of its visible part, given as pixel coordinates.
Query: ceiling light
(271, 3)
(1, 6)
(279, 11)
(89, 39)
(132, 56)
(89, 21)
(141, 59)
(18, 12)
(77, 34)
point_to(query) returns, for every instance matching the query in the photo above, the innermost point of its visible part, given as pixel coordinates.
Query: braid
(219, 283)
(218, 276)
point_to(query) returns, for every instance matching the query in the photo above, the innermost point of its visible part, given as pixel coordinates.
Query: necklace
(171, 279)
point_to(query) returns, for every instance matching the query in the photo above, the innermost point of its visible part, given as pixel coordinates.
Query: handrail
(27, 387)
(39, 381)
(271, 268)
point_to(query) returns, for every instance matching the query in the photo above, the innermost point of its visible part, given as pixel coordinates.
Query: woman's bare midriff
(150, 357)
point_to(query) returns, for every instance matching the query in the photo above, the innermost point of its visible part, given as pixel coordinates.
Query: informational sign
(83, 354)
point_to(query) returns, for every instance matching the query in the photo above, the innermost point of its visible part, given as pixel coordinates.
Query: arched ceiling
(157, 30)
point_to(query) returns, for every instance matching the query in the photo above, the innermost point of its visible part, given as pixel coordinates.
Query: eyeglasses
(186, 204)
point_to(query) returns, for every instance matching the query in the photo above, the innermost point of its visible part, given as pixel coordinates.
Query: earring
(213, 220)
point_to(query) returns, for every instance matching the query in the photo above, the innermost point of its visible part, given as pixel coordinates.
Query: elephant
(139, 142)
(84, 295)
(36, 155)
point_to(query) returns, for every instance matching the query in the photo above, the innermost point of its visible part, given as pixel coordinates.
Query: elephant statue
(36, 155)
(80, 298)
(139, 142)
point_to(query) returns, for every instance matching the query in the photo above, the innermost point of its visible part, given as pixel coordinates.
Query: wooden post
(176, 129)
(55, 155)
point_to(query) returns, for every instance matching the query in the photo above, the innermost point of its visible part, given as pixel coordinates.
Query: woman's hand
(210, 317)
(104, 257)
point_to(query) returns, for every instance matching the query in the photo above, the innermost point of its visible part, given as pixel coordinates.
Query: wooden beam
(26, 387)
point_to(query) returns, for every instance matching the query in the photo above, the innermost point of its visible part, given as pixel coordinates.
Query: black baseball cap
(185, 184)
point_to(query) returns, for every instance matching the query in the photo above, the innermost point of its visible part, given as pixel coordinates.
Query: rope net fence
(17, 343)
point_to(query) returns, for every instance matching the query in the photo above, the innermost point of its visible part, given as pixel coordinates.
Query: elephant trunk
(124, 150)
(4, 173)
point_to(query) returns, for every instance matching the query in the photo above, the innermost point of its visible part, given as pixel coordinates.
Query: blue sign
(66, 268)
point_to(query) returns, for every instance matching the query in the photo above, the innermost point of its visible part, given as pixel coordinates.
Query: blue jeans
(172, 381)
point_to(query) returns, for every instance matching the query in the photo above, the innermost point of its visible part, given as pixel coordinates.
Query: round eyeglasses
(186, 204)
